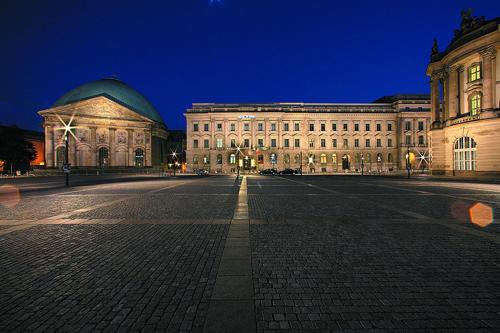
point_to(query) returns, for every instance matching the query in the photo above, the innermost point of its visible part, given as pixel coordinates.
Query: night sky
(185, 51)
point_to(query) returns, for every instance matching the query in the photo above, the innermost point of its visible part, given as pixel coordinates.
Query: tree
(15, 150)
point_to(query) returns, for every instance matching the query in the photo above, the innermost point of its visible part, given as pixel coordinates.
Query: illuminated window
(464, 153)
(219, 159)
(219, 143)
(334, 159)
(232, 159)
(474, 72)
(475, 104)
(323, 158)
(206, 159)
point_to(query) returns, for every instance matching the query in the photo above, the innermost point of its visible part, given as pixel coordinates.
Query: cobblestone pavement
(333, 253)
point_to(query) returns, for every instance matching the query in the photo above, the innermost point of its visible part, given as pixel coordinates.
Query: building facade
(465, 100)
(319, 138)
(111, 126)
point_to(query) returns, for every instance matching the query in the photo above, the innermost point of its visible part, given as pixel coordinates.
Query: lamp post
(174, 159)
(362, 164)
(66, 157)
(408, 166)
(238, 150)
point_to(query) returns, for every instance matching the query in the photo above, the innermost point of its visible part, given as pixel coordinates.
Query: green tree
(15, 150)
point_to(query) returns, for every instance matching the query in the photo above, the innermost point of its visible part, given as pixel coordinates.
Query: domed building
(465, 99)
(112, 125)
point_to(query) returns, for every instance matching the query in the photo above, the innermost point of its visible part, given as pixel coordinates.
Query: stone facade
(465, 100)
(319, 138)
(105, 134)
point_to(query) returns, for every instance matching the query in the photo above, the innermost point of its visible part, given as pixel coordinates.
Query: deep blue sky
(184, 51)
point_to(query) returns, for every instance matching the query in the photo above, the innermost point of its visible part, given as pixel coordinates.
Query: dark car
(298, 171)
(201, 172)
(287, 172)
(268, 172)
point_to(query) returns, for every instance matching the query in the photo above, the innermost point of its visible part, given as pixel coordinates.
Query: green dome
(115, 90)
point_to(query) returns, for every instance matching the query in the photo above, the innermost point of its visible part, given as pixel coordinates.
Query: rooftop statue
(435, 48)
(468, 23)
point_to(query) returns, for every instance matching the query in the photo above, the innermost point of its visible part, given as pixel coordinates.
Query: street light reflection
(9, 196)
(481, 214)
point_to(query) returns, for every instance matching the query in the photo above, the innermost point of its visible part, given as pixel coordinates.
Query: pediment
(96, 108)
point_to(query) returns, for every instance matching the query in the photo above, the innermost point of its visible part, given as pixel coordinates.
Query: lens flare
(481, 214)
(9, 196)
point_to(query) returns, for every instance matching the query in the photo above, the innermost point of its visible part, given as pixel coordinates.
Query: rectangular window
(323, 127)
(246, 127)
(346, 143)
(233, 143)
(273, 126)
(260, 142)
(475, 72)
(345, 127)
(273, 143)
(367, 127)
(233, 127)
(379, 127)
(311, 127)
(260, 127)
(311, 143)
(206, 143)
(246, 143)
(408, 140)
(219, 127)
(420, 139)
(195, 127)
(356, 143)
(379, 142)
(389, 127)
(356, 127)
(286, 143)
(205, 127)
(407, 125)
(285, 127)
(334, 143)
(323, 143)
(389, 142)
(219, 143)
(420, 125)
(296, 127)
(367, 143)
(195, 143)
(297, 143)
(334, 127)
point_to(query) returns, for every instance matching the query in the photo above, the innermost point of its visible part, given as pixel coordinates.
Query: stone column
(452, 92)
(93, 146)
(112, 147)
(435, 99)
(49, 147)
(488, 55)
(130, 143)
(147, 138)
(72, 151)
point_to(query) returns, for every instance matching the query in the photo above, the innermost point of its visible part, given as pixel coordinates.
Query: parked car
(268, 172)
(201, 172)
(298, 171)
(287, 172)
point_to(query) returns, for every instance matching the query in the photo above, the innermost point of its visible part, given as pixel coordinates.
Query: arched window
(219, 159)
(368, 158)
(474, 72)
(311, 159)
(286, 158)
(389, 158)
(379, 158)
(195, 159)
(60, 156)
(206, 159)
(232, 159)
(103, 157)
(475, 104)
(323, 158)
(464, 153)
(334, 159)
(139, 158)
(297, 159)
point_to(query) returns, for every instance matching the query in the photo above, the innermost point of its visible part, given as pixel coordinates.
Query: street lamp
(238, 151)
(362, 164)
(174, 158)
(408, 162)
(66, 157)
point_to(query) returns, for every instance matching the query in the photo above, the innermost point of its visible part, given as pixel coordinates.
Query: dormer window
(474, 72)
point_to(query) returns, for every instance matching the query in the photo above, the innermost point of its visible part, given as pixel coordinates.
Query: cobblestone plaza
(258, 254)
